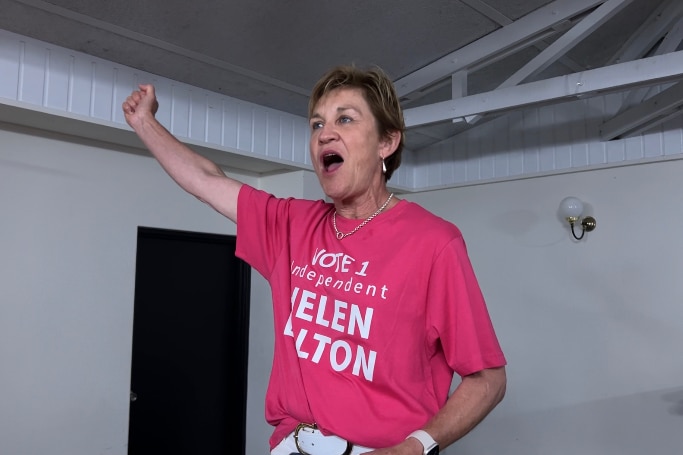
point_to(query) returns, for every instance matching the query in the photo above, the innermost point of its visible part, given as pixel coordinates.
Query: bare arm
(472, 400)
(194, 173)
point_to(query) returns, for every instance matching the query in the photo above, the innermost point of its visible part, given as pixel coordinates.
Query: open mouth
(332, 161)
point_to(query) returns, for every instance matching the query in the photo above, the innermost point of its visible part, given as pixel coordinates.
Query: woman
(376, 305)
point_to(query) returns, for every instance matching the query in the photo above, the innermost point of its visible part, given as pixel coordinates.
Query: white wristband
(428, 443)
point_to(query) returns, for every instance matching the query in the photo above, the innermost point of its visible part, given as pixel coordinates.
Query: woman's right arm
(197, 175)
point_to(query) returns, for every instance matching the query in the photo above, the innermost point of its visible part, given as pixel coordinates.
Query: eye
(316, 125)
(345, 119)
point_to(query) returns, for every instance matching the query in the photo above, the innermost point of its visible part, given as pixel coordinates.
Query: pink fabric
(374, 325)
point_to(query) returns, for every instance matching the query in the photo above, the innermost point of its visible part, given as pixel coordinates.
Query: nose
(327, 133)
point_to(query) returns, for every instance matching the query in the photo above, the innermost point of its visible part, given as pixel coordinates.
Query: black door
(190, 334)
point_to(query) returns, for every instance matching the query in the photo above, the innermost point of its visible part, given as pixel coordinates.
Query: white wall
(592, 330)
(69, 215)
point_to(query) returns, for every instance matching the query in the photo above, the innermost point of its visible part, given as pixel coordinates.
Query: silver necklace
(341, 235)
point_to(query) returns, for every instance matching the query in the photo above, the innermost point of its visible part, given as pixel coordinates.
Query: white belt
(307, 439)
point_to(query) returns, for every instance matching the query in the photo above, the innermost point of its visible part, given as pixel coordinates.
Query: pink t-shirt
(368, 329)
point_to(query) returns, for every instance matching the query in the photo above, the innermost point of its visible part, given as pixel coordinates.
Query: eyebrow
(340, 109)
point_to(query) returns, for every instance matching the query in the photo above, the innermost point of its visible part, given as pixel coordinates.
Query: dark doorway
(190, 335)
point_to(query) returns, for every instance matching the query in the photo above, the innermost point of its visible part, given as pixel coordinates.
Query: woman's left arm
(473, 399)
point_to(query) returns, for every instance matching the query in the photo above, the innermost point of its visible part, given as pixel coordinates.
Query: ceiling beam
(556, 50)
(511, 36)
(650, 113)
(487, 10)
(537, 41)
(567, 41)
(647, 71)
(459, 84)
(670, 43)
(646, 36)
(500, 18)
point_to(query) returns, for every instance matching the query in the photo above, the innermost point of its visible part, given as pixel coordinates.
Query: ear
(389, 143)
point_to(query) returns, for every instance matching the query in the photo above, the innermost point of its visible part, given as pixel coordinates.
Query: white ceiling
(272, 52)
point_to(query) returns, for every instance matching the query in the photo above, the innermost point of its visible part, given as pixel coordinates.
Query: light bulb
(571, 208)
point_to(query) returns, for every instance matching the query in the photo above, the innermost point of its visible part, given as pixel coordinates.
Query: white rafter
(519, 34)
(501, 19)
(643, 39)
(670, 43)
(652, 112)
(567, 41)
(562, 45)
(647, 71)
